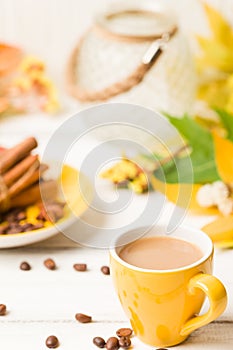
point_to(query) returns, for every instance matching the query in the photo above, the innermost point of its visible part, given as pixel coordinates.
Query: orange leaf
(224, 157)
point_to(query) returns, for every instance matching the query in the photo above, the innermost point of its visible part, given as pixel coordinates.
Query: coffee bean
(37, 226)
(105, 270)
(112, 344)
(11, 217)
(80, 267)
(54, 211)
(82, 318)
(2, 310)
(13, 228)
(124, 332)
(14, 224)
(161, 349)
(21, 216)
(41, 217)
(25, 266)
(50, 264)
(27, 227)
(100, 342)
(124, 342)
(52, 342)
(4, 229)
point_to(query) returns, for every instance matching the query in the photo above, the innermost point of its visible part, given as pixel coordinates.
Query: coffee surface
(160, 253)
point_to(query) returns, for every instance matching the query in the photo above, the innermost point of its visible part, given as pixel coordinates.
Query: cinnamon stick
(19, 169)
(48, 189)
(15, 154)
(2, 152)
(28, 179)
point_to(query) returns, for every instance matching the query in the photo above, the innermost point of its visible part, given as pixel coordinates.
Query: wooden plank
(32, 335)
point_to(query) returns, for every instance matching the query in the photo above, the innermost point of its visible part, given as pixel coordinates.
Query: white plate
(30, 237)
(77, 206)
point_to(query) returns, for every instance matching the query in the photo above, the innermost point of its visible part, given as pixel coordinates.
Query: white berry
(220, 191)
(204, 196)
(226, 206)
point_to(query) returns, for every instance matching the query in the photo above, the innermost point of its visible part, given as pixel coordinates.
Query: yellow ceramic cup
(163, 305)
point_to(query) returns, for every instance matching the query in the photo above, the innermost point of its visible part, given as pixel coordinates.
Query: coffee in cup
(160, 253)
(162, 282)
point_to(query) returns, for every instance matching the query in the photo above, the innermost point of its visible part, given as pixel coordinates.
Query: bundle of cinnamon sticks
(21, 181)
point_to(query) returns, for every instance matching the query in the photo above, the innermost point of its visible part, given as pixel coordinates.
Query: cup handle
(216, 293)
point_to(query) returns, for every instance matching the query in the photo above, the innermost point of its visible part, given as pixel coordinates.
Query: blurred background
(48, 31)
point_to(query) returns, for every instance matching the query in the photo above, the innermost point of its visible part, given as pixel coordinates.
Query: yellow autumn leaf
(215, 54)
(221, 229)
(215, 93)
(224, 157)
(229, 86)
(220, 28)
(216, 50)
(173, 194)
(76, 189)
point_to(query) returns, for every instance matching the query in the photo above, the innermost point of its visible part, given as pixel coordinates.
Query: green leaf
(227, 120)
(202, 155)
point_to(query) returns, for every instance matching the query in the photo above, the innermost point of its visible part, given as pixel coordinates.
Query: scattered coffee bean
(52, 342)
(112, 344)
(124, 332)
(82, 318)
(80, 267)
(25, 266)
(2, 310)
(50, 264)
(161, 349)
(124, 342)
(105, 270)
(100, 342)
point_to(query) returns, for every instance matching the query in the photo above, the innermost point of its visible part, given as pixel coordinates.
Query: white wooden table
(43, 302)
